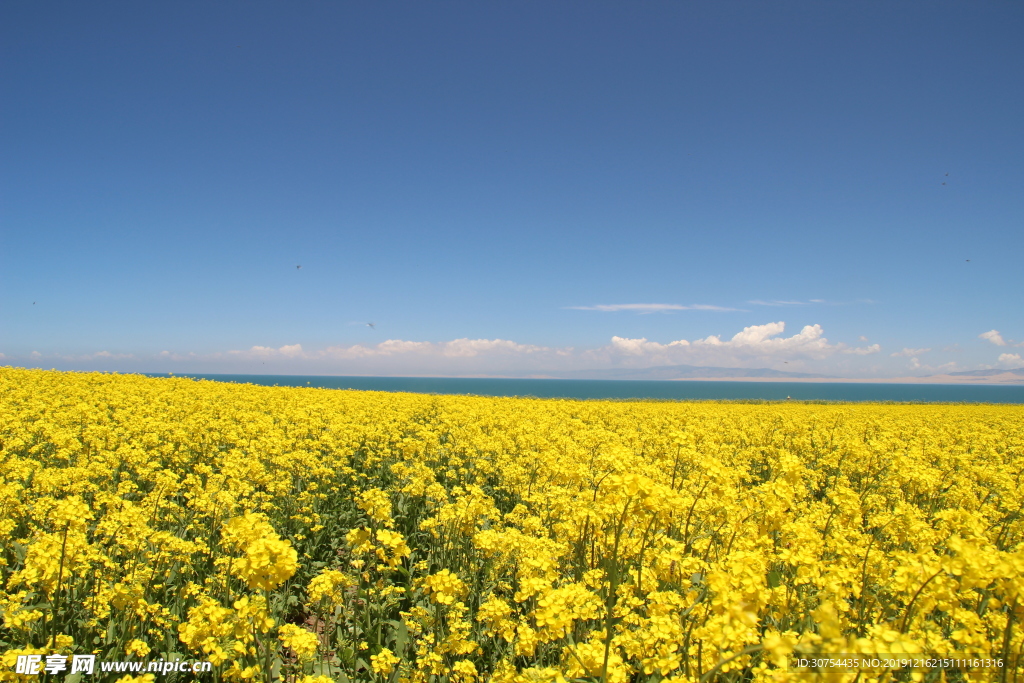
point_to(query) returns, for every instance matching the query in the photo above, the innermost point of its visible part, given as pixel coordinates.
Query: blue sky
(512, 187)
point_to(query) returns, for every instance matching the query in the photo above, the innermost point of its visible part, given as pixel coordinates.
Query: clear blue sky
(490, 183)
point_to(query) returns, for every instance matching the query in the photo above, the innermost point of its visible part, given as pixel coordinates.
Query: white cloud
(916, 364)
(2, 356)
(639, 347)
(907, 353)
(291, 351)
(862, 338)
(994, 337)
(288, 351)
(864, 350)
(36, 355)
(758, 334)
(392, 346)
(357, 351)
(457, 348)
(1011, 361)
(650, 308)
(755, 341)
(473, 347)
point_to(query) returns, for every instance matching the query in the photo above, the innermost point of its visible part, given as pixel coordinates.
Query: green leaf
(325, 669)
(401, 638)
(20, 551)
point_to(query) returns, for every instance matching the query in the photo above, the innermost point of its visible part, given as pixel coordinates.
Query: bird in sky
(298, 267)
(371, 325)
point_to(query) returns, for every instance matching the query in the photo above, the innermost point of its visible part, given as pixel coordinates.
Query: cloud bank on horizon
(755, 346)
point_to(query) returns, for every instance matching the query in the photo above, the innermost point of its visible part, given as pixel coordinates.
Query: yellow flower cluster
(309, 536)
(267, 560)
(444, 587)
(302, 642)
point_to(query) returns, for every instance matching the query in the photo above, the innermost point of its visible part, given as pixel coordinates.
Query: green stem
(266, 645)
(750, 649)
(906, 616)
(1006, 642)
(613, 589)
(60, 579)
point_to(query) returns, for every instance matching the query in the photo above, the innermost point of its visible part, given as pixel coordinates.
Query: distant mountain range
(988, 373)
(669, 372)
(678, 372)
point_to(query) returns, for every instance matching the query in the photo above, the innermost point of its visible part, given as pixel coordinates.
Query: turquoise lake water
(660, 390)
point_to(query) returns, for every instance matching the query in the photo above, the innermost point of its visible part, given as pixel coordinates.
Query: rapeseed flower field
(307, 535)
